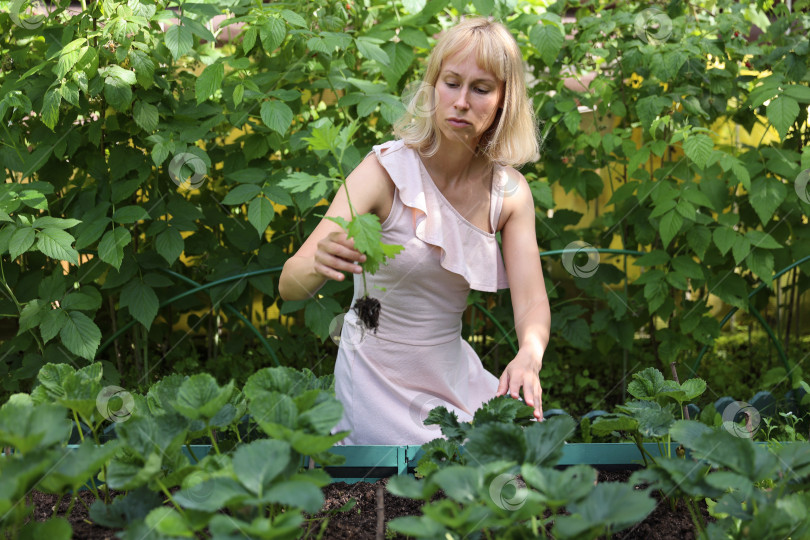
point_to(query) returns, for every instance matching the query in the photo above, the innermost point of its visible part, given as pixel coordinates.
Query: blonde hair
(512, 140)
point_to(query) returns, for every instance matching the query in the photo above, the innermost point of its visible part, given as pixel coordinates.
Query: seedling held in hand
(364, 229)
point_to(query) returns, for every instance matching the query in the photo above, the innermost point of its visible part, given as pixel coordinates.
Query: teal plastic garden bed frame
(369, 463)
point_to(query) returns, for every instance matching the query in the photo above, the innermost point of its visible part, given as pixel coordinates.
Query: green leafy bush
(146, 153)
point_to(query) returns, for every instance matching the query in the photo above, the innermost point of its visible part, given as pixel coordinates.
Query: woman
(442, 190)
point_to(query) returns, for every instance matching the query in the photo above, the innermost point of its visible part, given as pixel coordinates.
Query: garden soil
(361, 521)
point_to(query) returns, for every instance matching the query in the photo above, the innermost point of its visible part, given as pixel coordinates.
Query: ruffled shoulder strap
(466, 250)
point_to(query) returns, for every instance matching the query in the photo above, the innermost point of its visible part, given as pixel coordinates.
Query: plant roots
(368, 309)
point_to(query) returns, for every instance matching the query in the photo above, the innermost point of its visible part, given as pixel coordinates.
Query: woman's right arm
(327, 253)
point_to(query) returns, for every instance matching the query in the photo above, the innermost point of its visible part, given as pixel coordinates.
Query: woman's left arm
(529, 298)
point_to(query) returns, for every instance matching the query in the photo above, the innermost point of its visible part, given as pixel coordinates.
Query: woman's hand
(522, 372)
(336, 254)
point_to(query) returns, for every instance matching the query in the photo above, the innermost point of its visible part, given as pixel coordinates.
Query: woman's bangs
(483, 49)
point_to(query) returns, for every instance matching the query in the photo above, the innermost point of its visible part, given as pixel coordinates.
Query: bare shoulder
(372, 186)
(517, 196)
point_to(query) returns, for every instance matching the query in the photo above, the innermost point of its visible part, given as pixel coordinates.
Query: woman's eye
(451, 84)
(482, 90)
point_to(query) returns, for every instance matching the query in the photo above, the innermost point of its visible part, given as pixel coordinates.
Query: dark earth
(361, 521)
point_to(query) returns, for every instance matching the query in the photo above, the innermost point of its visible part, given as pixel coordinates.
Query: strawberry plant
(651, 414)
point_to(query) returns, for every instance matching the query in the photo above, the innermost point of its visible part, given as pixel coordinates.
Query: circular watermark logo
(420, 99)
(580, 259)
(347, 334)
(197, 488)
(504, 492)
(29, 23)
(737, 412)
(653, 26)
(421, 406)
(801, 186)
(187, 170)
(507, 183)
(115, 404)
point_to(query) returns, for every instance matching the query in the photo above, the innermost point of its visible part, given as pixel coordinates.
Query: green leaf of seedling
(200, 397)
(407, 486)
(448, 423)
(284, 525)
(26, 427)
(124, 509)
(460, 483)
(271, 410)
(647, 384)
(57, 528)
(293, 494)
(76, 466)
(366, 230)
(653, 420)
(692, 388)
(545, 440)
(495, 442)
(81, 391)
(308, 444)
(721, 448)
(167, 522)
(147, 436)
(220, 492)
(559, 488)
(258, 463)
(503, 409)
(418, 527)
(610, 506)
(605, 425)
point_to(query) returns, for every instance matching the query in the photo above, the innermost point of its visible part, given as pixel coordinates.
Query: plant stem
(78, 425)
(56, 506)
(169, 496)
(213, 440)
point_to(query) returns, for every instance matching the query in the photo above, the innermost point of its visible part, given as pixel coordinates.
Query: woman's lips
(455, 122)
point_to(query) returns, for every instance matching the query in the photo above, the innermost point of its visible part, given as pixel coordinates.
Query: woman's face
(468, 100)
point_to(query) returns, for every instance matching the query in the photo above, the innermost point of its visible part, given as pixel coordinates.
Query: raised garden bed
(362, 519)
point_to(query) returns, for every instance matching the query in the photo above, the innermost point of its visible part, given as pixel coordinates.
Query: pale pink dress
(417, 360)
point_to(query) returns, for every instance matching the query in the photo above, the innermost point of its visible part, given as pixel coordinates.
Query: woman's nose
(461, 100)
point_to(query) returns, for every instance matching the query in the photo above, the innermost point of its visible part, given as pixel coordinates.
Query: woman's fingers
(336, 254)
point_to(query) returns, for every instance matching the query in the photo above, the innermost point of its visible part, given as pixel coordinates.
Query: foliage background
(146, 144)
